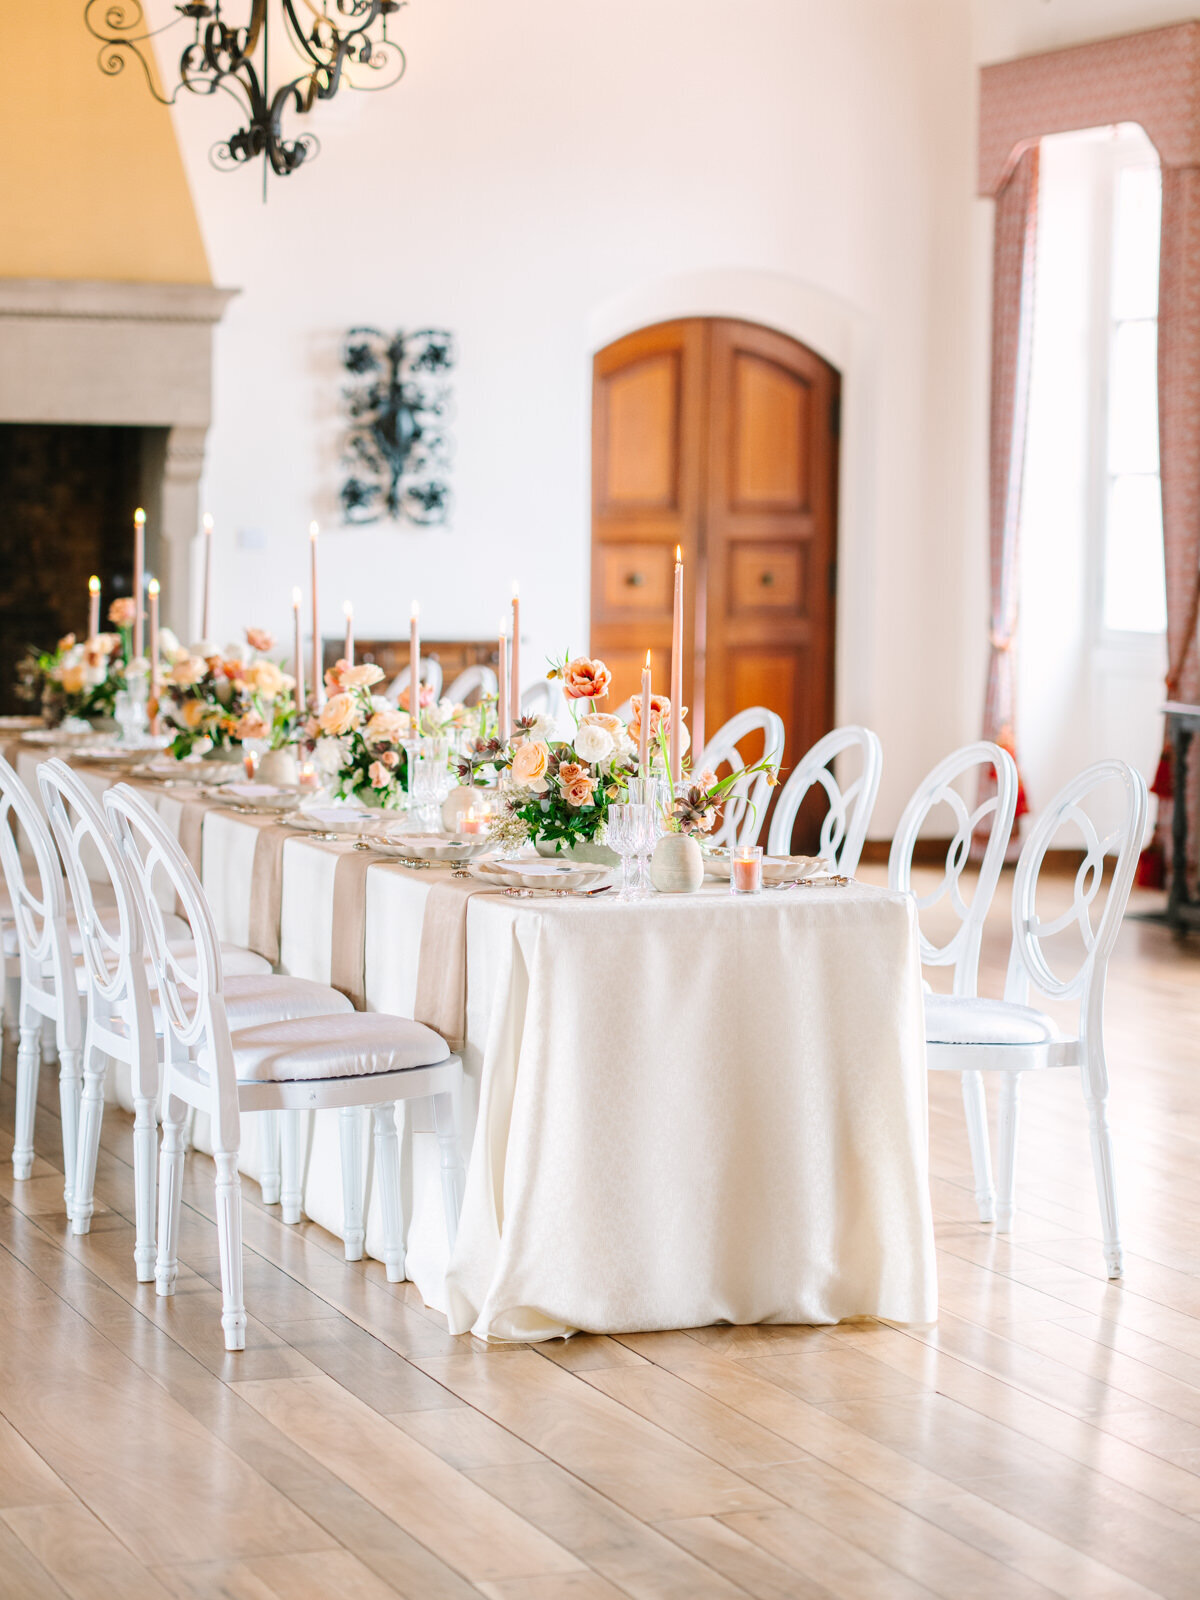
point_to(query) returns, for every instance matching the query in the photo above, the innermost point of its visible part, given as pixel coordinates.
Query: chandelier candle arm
(139, 581)
(351, 48)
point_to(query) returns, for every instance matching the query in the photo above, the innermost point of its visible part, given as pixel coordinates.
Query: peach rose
(265, 678)
(73, 678)
(529, 764)
(259, 639)
(105, 644)
(379, 775)
(123, 613)
(402, 699)
(608, 720)
(390, 759)
(660, 718)
(360, 677)
(194, 713)
(65, 643)
(577, 787)
(250, 726)
(386, 727)
(583, 679)
(189, 671)
(339, 715)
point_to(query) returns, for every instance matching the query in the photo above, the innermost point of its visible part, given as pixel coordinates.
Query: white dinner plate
(518, 874)
(436, 846)
(349, 820)
(263, 796)
(57, 736)
(776, 869)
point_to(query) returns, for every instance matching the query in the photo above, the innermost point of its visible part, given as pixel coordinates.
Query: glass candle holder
(745, 869)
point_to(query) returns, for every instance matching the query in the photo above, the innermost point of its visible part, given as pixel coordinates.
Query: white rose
(330, 756)
(544, 729)
(593, 744)
(168, 644)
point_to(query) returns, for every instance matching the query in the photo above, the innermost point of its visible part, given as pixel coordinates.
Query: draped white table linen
(680, 1111)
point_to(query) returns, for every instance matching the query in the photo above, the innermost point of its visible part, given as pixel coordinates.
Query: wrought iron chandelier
(333, 43)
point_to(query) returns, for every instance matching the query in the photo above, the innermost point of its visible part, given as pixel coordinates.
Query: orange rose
(426, 696)
(339, 715)
(577, 787)
(583, 679)
(529, 765)
(379, 775)
(250, 726)
(259, 639)
(194, 713)
(65, 643)
(122, 613)
(660, 719)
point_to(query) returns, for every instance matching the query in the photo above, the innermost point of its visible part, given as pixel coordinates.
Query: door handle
(635, 580)
(767, 579)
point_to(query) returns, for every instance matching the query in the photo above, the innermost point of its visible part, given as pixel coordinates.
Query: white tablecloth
(681, 1111)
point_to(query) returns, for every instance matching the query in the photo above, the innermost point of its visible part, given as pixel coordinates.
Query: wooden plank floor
(1043, 1440)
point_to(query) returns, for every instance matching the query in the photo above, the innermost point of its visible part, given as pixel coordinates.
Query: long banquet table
(678, 1111)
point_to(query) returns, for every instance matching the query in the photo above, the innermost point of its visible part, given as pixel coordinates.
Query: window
(1133, 579)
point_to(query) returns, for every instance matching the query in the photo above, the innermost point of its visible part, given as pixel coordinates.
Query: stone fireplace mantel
(126, 354)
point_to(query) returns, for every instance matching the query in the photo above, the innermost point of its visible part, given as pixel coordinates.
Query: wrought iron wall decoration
(338, 43)
(398, 452)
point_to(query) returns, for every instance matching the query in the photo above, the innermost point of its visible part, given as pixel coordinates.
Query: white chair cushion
(359, 1045)
(249, 1002)
(236, 962)
(954, 1019)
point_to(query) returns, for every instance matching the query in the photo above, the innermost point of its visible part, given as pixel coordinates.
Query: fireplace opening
(67, 498)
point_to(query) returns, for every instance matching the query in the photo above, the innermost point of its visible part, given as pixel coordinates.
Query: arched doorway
(720, 436)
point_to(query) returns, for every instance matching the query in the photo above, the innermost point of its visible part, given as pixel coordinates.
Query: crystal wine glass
(623, 837)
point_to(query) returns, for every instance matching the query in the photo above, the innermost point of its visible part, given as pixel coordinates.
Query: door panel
(719, 436)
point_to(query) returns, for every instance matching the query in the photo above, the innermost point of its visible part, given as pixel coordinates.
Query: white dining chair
(343, 1061)
(48, 986)
(124, 1020)
(845, 824)
(745, 808)
(478, 680)
(1009, 1036)
(431, 678)
(544, 698)
(987, 824)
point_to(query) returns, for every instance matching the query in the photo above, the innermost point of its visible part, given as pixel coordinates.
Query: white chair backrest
(478, 680)
(431, 678)
(995, 813)
(544, 698)
(113, 959)
(849, 815)
(39, 900)
(745, 808)
(1030, 961)
(196, 1040)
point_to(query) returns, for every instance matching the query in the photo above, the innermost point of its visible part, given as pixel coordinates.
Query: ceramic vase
(279, 767)
(677, 866)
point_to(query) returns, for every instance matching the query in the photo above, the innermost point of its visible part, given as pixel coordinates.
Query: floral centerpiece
(358, 739)
(695, 808)
(215, 703)
(81, 678)
(558, 790)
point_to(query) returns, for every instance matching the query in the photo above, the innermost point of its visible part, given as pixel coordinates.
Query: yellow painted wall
(92, 184)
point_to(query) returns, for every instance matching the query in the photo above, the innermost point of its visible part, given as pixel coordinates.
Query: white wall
(543, 161)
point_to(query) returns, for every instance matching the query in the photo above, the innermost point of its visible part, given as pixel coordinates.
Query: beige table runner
(441, 1001)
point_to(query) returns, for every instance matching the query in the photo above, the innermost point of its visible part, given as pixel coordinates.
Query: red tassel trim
(1152, 867)
(1164, 776)
(1006, 742)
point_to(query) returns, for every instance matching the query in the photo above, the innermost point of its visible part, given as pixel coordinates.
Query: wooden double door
(720, 437)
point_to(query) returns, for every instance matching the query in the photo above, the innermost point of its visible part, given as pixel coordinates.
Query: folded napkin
(441, 1002)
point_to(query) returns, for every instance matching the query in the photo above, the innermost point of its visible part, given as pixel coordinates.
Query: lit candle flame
(153, 585)
(416, 609)
(208, 522)
(139, 518)
(93, 585)
(647, 660)
(678, 555)
(313, 530)
(296, 597)
(347, 607)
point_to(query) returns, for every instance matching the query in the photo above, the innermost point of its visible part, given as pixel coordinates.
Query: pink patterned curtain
(1179, 458)
(1014, 252)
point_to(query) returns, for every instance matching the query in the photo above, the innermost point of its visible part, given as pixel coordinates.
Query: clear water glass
(623, 837)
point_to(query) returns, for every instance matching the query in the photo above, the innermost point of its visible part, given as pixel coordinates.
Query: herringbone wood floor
(1043, 1440)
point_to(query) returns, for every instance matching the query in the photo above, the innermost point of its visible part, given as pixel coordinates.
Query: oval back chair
(848, 816)
(745, 808)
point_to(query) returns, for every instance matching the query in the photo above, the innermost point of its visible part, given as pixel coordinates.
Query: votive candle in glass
(745, 869)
